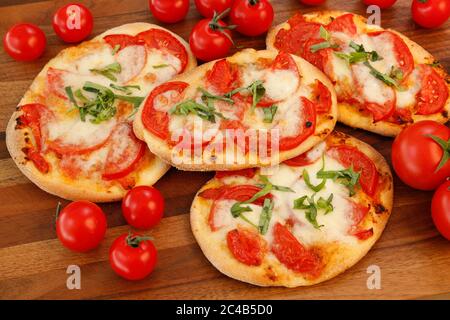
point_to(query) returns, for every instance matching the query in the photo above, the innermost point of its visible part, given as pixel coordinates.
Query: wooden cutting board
(412, 257)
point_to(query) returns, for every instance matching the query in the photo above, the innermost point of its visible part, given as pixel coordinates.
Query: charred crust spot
(27, 140)
(270, 273)
(379, 208)
(330, 117)
(25, 150)
(19, 123)
(308, 124)
(444, 113)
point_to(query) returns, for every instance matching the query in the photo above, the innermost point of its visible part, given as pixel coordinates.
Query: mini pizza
(300, 223)
(72, 134)
(255, 108)
(383, 80)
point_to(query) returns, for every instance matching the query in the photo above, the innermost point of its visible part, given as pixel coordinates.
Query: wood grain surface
(413, 258)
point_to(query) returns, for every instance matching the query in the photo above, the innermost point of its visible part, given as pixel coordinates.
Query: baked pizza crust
(150, 170)
(271, 272)
(349, 114)
(323, 129)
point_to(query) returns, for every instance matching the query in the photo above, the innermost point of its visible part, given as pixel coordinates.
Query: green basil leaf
(269, 113)
(310, 185)
(266, 215)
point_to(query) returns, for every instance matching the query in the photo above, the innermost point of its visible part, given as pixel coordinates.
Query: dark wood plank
(33, 264)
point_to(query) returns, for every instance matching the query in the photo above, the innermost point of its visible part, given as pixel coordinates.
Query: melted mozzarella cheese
(407, 97)
(372, 89)
(280, 84)
(95, 59)
(384, 46)
(132, 60)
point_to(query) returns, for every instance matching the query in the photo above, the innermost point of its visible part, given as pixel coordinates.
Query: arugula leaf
(266, 215)
(116, 49)
(387, 79)
(190, 106)
(162, 65)
(109, 71)
(325, 204)
(272, 186)
(257, 89)
(208, 95)
(324, 34)
(310, 209)
(360, 54)
(126, 89)
(269, 113)
(310, 185)
(347, 177)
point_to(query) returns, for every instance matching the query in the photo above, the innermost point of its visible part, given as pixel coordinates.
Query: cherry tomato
(143, 207)
(416, 156)
(252, 17)
(210, 39)
(207, 8)
(312, 2)
(430, 13)
(132, 256)
(383, 4)
(24, 42)
(81, 226)
(169, 11)
(73, 22)
(440, 209)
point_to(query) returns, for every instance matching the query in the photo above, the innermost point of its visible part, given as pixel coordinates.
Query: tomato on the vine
(80, 226)
(420, 155)
(440, 209)
(383, 4)
(24, 42)
(207, 8)
(252, 17)
(73, 22)
(430, 13)
(132, 256)
(211, 39)
(169, 11)
(312, 2)
(143, 207)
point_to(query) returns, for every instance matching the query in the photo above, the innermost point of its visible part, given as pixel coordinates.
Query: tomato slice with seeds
(403, 55)
(248, 173)
(358, 214)
(350, 156)
(323, 98)
(163, 40)
(293, 40)
(317, 58)
(155, 121)
(121, 40)
(246, 246)
(290, 252)
(223, 76)
(55, 82)
(434, 92)
(307, 126)
(125, 152)
(344, 23)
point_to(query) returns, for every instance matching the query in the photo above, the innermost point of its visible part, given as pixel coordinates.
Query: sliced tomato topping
(284, 61)
(323, 98)
(155, 121)
(296, 19)
(403, 55)
(246, 246)
(213, 193)
(223, 76)
(380, 112)
(38, 160)
(358, 214)
(343, 24)
(306, 127)
(248, 173)
(317, 58)
(302, 160)
(293, 40)
(163, 40)
(434, 93)
(125, 152)
(122, 40)
(55, 82)
(350, 156)
(290, 252)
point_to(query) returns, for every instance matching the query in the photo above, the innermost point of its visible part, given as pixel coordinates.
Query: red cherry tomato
(416, 156)
(143, 207)
(24, 42)
(81, 226)
(132, 256)
(207, 8)
(169, 11)
(383, 4)
(440, 209)
(73, 22)
(210, 39)
(312, 2)
(252, 17)
(430, 13)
